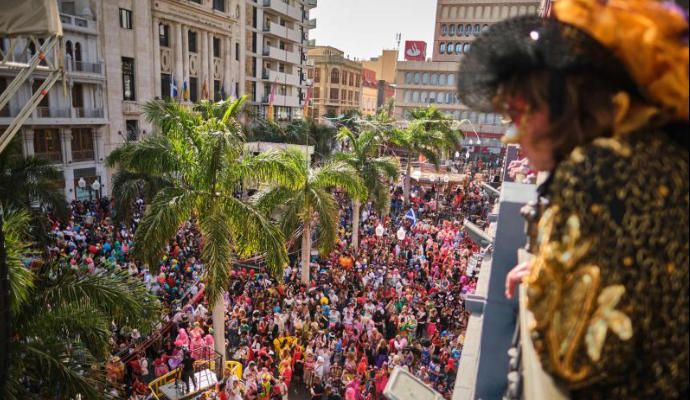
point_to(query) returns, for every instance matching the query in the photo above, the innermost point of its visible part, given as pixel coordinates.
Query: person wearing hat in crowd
(598, 95)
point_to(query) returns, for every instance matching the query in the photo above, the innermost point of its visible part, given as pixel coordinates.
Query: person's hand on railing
(514, 278)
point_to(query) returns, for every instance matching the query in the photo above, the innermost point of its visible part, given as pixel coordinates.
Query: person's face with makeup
(532, 124)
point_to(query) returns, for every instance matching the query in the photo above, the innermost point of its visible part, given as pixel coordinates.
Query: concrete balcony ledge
(282, 32)
(283, 8)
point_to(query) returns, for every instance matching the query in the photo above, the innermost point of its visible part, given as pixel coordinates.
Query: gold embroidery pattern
(609, 285)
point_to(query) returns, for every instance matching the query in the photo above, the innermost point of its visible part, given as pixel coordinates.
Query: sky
(362, 28)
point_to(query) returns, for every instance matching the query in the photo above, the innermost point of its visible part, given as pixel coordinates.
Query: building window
(477, 29)
(47, 145)
(193, 89)
(409, 78)
(166, 86)
(425, 78)
(191, 41)
(128, 92)
(78, 96)
(125, 18)
(219, 5)
(417, 78)
(444, 30)
(356, 98)
(237, 51)
(466, 48)
(442, 48)
(451, 80)
(132, 128)
(443, 81)
(217, 89)
(335, 76)
(317, 75)
(164, 35)
(468, 30)
(458, 48)
(434, 79)
(452, 30)
(335, 94)
(358, 81)
(82, 144)
(316, 93)
(461, 30)
(352, 80)
(216, 48)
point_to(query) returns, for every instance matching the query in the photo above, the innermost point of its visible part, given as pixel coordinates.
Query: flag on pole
(271, 99)
(305, 112)
(185, 91)
(173, 89)
(204, 90)
(411, 216)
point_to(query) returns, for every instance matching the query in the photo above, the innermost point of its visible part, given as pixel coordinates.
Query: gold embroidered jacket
(609, 285)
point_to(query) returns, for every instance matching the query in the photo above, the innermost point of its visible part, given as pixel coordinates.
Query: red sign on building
(415, 50)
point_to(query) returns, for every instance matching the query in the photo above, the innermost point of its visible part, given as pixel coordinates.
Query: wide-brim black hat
(527, 44)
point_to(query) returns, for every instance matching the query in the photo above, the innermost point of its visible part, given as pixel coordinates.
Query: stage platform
(205, 380)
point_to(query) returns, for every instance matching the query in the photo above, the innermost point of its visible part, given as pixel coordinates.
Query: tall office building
(424, 83)
(277, 37)
(70, 125)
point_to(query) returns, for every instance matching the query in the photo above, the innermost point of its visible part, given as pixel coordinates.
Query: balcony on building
(81, 24)
(311, 24)
(311, 4)
(285, 56)
(280, 77)
(283, 8)
(283, 32)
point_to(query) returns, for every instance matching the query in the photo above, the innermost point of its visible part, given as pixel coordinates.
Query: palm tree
(310, 202)
(374, 171)
(61, 322)
(200, 160)
(24, 183)
(429, 134)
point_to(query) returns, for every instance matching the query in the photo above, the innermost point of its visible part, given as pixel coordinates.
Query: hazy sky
(362, 28)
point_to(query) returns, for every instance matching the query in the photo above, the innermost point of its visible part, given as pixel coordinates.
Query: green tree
(61, 319)
(374, 171)
(309, 203)
(199, 155)
(430, 133)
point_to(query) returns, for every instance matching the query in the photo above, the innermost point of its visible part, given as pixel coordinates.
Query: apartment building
(70, 125)
(337, 82)
(277, 37)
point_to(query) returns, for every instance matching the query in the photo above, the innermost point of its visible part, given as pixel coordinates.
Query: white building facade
(277, 37)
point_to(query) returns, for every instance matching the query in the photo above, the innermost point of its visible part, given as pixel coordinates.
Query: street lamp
(96, 186)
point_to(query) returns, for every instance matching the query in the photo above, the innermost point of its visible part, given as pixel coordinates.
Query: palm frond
(18, 247)
(217, 252)
(327, 211)
(340, 175)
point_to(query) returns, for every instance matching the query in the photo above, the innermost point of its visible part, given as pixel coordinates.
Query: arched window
(444, 30)
(425, 78)
(452, 30)
(485, 28)
(442, 48)
(466, 48)
(417, 78)
(468, 30)
(458, 48)
(68, 48)
(461, 29)
(335, 76)
(409, 78)
(450, 49)
(477, 29)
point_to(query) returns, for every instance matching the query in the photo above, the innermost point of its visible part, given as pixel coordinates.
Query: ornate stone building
(337, 82)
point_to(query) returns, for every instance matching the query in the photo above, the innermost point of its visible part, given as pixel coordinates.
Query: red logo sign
(415, 51)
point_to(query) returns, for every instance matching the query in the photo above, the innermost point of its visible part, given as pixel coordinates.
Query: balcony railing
(81, 112)
(83, 155)
(49, 112)
(311, 3)
(87, 67)
(80, 23)
(55, 156)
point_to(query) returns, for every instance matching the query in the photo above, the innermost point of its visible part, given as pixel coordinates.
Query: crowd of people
(392, 301)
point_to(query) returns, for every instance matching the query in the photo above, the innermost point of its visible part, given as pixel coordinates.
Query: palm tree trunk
(218, 314)
(356, 213)
(408, 182)
(5, 316)
(306, 252)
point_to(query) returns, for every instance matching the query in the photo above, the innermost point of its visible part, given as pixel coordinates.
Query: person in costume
(598, 95)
